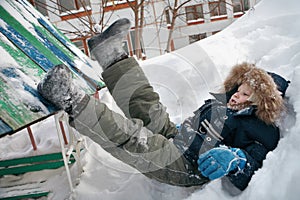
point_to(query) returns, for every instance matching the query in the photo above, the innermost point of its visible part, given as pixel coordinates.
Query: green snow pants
(141, 138)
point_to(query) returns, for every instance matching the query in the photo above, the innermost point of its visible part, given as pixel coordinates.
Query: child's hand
(219, 161)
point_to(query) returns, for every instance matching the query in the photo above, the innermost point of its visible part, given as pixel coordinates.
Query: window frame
(84, 47)
(76, 3)
(44, 10)
(132, 45)
(243, 4)
(168, 17)
(218, 8)
(77, 12)
(112, 5)
(197, 37)
(196, 16)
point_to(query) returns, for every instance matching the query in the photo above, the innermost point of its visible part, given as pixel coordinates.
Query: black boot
(58, 88)
(107, 46)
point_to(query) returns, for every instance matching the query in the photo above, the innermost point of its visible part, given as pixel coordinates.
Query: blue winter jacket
(240, 129)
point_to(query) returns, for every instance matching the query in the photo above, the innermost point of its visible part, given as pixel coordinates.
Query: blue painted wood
(42, 47)
(4, 128)
(22, 43)
(58, 36)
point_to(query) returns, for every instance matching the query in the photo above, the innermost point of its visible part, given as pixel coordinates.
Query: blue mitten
(219, 161)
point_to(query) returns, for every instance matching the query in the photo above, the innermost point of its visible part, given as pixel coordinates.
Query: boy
(228, 136)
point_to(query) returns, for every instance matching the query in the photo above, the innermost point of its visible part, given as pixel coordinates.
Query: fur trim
(266, 96)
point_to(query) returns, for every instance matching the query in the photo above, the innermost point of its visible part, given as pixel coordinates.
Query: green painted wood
(29, 67)
(42, 40)
(5, 16)
(30, 57)
(32, 163)
(15, 113)
(33, 167)
(54, 41)
(13, 110)
(36, 194)
(31, 159)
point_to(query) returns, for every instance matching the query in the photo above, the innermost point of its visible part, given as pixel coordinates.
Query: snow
(267, 35)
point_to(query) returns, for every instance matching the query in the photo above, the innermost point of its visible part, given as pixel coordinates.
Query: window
(111, 5)
(126, 47)
(237, 6)
(167, 13)
(195, 38)
(71, 9)
(79, 44)
(194, 12)
(132, 37)
(217, 8)
(215, 32)
(114, 3)
(246, 5)
(240, 5)
(67, 5)
(41, 6)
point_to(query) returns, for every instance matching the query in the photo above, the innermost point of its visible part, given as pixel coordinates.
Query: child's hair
(266, 97)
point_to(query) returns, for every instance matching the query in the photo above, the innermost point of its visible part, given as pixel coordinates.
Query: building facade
(195, 20)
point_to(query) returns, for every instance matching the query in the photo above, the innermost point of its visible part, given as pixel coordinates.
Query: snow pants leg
(132, 139)
(132, 92)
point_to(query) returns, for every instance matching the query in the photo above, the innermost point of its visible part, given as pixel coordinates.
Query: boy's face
(241, 96)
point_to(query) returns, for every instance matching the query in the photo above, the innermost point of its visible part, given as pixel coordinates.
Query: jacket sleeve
(255, 154)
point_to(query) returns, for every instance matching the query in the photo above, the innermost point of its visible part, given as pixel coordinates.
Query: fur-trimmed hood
(266, 98)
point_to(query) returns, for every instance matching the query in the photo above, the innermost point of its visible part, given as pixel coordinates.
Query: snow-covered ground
(268, 35)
